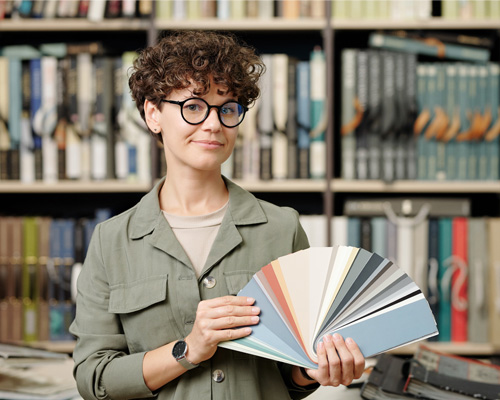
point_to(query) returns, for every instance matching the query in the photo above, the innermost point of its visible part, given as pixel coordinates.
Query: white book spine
(49, 159)
(26, 154)
(73, 154)
(96, 11)
(98, 154)
(121, 160)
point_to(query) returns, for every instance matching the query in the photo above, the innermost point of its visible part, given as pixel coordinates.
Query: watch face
(179, 349)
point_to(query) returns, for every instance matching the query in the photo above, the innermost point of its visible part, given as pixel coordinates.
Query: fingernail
(337, 337)
(327, 338)
(349, 341)
(247, 330)
(255, 310)
(250, 300)
(321, 346)
(255, 319)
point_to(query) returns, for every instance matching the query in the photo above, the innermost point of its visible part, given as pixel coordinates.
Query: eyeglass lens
(196, 111)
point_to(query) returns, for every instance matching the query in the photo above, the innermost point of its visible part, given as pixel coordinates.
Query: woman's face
(202, 147)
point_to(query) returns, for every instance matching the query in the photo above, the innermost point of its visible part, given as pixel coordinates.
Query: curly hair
(187, 57)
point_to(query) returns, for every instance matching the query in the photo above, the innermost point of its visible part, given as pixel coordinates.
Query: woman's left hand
(339, 361)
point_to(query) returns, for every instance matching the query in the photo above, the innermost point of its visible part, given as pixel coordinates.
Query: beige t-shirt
(196, 234)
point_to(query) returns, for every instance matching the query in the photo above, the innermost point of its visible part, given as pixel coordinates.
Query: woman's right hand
(218, 320)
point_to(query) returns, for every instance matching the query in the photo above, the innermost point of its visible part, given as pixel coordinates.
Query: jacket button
(218, 375)
(209, 282)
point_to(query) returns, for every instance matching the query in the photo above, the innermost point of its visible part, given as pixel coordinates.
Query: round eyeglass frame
(209, 108)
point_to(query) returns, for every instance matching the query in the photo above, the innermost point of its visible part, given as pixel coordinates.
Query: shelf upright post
(152, 39)
(328, 36)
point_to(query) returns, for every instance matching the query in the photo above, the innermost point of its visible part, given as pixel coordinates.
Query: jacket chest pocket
(236, 280)
(144, 311)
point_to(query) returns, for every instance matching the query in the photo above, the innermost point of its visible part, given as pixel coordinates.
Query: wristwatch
(179, 353)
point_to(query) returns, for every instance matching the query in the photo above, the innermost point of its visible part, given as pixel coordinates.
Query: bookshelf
(332, 190)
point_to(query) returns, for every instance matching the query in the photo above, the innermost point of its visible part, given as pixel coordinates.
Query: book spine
(30, 262)
(459, 280)
(389, 116)
(303, 118)
(349, 114)
(318, 114)
(280, 112)
(444, 279)
(265, 119)
(15, 113)
(361, 129)
(374, 111)
(291, 124)
(492, 136)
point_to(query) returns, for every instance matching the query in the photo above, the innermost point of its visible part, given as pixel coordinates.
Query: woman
(158, 289)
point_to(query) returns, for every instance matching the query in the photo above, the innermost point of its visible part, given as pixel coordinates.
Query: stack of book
(430, 374)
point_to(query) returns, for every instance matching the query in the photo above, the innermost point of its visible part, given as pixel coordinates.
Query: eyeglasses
(195, 110)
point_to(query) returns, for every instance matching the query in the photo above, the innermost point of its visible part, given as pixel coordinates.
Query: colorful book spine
(459, 280)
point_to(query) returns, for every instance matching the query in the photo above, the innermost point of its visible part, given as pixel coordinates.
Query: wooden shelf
(288, 185)
(107, 186)
(430, 23)
(246, 24)
(74, 24)
(431, 187)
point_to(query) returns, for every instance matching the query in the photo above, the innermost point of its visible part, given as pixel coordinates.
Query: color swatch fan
(324, 290)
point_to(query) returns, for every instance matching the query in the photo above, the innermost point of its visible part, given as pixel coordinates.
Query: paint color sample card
(325, 290)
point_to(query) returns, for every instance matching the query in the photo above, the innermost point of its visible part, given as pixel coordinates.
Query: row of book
(470, 9)
(430, 374)
(283, 135)
(66, 113)
(39, 261)
(451, 256)
(97, 10)
(404, 119)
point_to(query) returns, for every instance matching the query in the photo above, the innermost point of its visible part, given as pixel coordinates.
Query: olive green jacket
(137, 291)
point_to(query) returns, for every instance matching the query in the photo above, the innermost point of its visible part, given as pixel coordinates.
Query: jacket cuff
(123, 378)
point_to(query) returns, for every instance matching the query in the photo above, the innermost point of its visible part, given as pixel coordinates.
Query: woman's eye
(192, 107)
(227, 110)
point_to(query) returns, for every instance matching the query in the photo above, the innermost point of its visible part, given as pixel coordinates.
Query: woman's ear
(152, 115)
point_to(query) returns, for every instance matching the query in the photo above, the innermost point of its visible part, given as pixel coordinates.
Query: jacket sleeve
(103, 369)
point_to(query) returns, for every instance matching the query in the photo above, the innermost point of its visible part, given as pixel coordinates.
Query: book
(325, 290)
(303, 117)
(361, 131)
(494, 283)
(433, 374)
(280, 89)
(351, 114)
(459, 280)
(30, 266)
(265, 120)
(446, 50)
(444, 279)
(389, 117)
(477, 327)
(319, 114)
(387, 379)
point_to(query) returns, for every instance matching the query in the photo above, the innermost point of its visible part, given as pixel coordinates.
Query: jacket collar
(244, 209)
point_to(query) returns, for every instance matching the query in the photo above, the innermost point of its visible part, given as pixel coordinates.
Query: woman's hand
(339, 361)
(218, 320)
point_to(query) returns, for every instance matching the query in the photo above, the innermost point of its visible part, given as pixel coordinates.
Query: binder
(29, 285)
